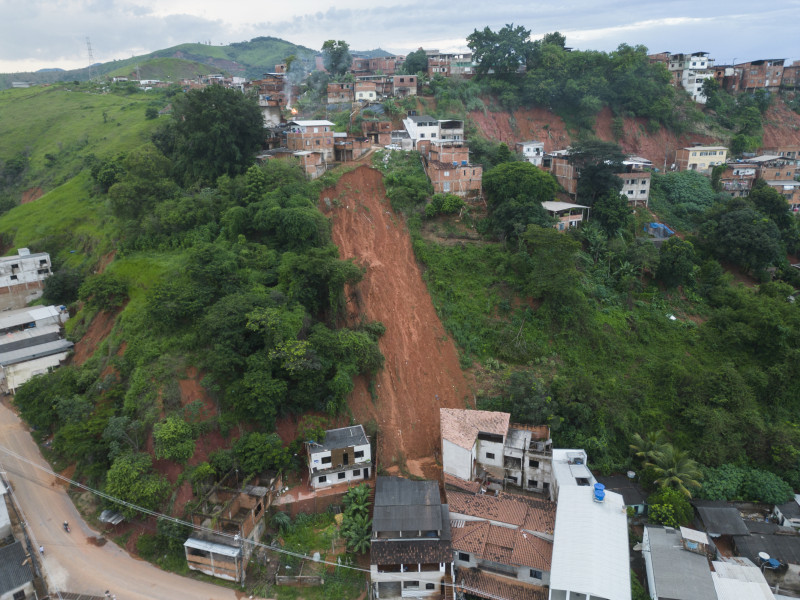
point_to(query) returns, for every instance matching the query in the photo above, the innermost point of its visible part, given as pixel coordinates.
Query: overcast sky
(37, 34)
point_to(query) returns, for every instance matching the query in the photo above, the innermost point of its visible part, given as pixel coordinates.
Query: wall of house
(215, 565)
(27, 589)
(457, 460)
(24, 269)
(542, 473)
(494, 462)
(635, 187)
(328, 479)
(459, 180)
(436, 578)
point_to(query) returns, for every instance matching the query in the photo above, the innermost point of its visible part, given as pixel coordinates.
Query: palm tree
(356, 500)
(281, 521)
(647, 446)
(673, 468)
(357, 530)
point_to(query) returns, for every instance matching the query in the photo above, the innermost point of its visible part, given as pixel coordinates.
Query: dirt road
(73, 561)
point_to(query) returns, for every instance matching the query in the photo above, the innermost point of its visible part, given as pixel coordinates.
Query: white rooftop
(590, 546)
(557, 206)
(212, 547)
(311, 123)
(740, 581)
(569, 466)
(706, 148)
(22, 316)
(694, 536)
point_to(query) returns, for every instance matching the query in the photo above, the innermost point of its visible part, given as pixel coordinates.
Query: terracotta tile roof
(504, 545)
(456, 482)
(486, 585)
(384, 552)
(522, 511)
(461, 427)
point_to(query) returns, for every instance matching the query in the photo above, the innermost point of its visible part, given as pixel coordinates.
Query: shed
(720, 518)
(632, 493)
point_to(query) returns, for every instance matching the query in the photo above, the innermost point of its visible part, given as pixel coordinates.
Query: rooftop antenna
(91, 57)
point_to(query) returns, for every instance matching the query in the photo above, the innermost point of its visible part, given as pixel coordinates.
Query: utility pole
(91, 57)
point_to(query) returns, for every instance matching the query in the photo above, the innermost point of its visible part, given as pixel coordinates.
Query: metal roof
(556, 206)
(404, 505)
(632, 492)
(590, 546)
(783, 547)
(222, 549)
(311, 123)
(13, 573)
(342, 438)
(23, 316)
(740, 580)
(33, 352)
(678, 573)
(721, 519)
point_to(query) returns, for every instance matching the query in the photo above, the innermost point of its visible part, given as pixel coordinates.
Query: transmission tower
(91, 57)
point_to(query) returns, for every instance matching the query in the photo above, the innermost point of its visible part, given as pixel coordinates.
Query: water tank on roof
(599, 492)
(463, 163)
(455, 164)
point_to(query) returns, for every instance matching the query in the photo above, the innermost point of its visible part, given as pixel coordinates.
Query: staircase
(449, 591)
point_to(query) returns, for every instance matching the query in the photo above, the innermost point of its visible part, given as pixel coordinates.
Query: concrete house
(411, 552)
(448, 167)
(590, 546)
(701, 158)
(506, 537)
(567, 214)
(766, 74)
(479, 445)
(532, 151)
(228, 509)
(340, 93)
(313, 136)
(24, 270)
(365, 91)
(404, 85)
(344, 455)
(677, 564)
(421, 127)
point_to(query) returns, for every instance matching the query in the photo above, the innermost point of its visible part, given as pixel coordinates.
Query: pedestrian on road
(41, 550)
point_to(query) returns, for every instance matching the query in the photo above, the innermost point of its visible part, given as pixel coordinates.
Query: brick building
(449, 169)
(791, 76)
(365, 91)
(763, 74)
(340, 93)
(311, 136)
(380, 132)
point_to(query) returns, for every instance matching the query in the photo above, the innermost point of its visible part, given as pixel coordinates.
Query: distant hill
(164, 69)
(376, 53)
(245, 59)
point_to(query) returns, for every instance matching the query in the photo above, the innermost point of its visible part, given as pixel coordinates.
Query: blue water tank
(463, 163)
(599, 492)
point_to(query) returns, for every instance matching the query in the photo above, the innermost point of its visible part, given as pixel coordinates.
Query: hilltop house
(313, 136)
(344, 455)
(701, 158)
(532, 151)
(411, 553)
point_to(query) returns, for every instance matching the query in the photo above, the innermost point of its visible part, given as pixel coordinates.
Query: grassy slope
(164, 68)
(68, 126)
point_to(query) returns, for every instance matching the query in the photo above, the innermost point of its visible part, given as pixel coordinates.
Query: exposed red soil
(101, 325)
(105, 261)
(31, 194)
(781, 127)
(421, 372)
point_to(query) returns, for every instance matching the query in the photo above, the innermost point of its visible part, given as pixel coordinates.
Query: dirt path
(421, 372)
(74, 561)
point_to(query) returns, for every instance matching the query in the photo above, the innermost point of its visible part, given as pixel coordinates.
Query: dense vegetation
(238, 278)
(603, 336)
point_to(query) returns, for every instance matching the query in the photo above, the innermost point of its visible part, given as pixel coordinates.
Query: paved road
(73, 563)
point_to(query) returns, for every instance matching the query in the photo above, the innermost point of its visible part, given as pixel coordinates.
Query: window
(411, 584)
(356, 472)
(545, 485)
(642, 191)
(490, 456)
(342, 474)
(630, 192)
(446, 186)
(581, 481)
(326, 460)
(447, 173)
(433, 135)
(322, 478)
(429, 586)
(513, 478)
(421, 135)
(533, 463)
(463, 556)
(13, 277)
(536, 574)
(359, 454)
(533, 483)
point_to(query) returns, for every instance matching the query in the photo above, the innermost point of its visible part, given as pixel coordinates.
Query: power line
(233, 537)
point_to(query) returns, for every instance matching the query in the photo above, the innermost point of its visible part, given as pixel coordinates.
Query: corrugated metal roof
(678, 573)
(33, 352)
(721, 519)
(343, 438)
(590, 546)
(13, 573)
(222, 549)
(740, 580)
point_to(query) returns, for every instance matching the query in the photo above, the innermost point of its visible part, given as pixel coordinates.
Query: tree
(336, 57)
(174, 439)
(63, 285)
(257, 452)
(744, 236)
(674, 469)
(676, 262)
(103, 292)
(612, 212)
(217, 131)
(550, 268)
(416, 62)
(646, 447)
(131, 479)
(142, 183)
(597, 163)
(357, 530)
(281, 521)
(681, 510)
(515, 192)
(503, 52)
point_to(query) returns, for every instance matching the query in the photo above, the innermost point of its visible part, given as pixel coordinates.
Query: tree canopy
(501, 52)
(215, 131)
(416, 62)
(336, 57)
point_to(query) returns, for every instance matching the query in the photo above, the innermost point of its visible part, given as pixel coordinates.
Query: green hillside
(164, 69)
(49, 133)
(244, 59)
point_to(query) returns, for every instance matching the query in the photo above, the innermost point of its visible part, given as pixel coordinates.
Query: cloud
(52, 33)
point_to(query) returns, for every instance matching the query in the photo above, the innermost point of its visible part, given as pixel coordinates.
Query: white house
(24, 270)
(343, 456)
(532, 151)
(590, 547)
(421, 128)
(5, 520)
(480, 445)
(570, 469)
